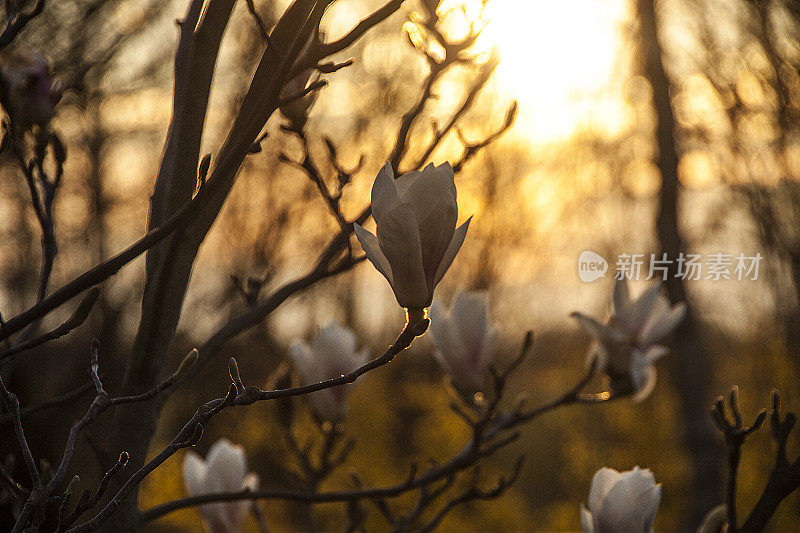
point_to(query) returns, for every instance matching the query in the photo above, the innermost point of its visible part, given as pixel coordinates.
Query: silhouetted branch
(109, 267)
(48, 404)
(42, 201)
(77, 318)
(490, 434)
(315, 175)
(360, 29)
(471, 149)
(256, 314)
(11, 404)
(785, 476)
(735, 435)
(192, 431)
(18, 21)
(473, 493)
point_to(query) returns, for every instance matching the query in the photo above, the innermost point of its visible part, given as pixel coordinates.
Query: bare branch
(11, 403)
(361, 28)
(48, 404)
(77, 318)
(193, 429)
(18, 22)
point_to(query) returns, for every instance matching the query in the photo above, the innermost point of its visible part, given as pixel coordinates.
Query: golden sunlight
(557, 59)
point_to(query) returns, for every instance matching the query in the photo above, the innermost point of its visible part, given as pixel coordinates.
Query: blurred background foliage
(576, 172)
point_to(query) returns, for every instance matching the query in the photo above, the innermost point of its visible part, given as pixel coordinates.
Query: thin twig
(77, 318)
(469, 455)
(48, 404)
(192, 431)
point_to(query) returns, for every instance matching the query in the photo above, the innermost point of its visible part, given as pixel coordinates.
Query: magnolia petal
(333, 349)
(227, 465)
(652, 499)
(449, 348)
(602, 483)
(714, 520)
(251, 481)
(399, 240)
(662, 325)
(329, 404)
(647, 382)
(641, 508)
(372, 249)
(361, 358)
(384, 193)
(622, 298)
(194, 473)
(641, 368)
(452, 249)
(489, 355)
(435, 234)
(300, 354)
(430, 188)
(639, 311)
(624, 501)
(655, 352)
(617, 512)
(405, 181)
(594, 328)
(330, 354)
(586, 520)
(637, 480)
(471, 318)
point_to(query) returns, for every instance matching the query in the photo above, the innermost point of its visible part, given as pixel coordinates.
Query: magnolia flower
(417, 238)
(621, 502)
(465, 340)
(28, 91)
(332, 353)
(224, 470)
(626, 347)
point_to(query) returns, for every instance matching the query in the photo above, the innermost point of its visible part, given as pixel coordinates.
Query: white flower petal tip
(223, 469)
(416, 238)
(331, 353)
(622, 501)
(465, 340)
(715, 521)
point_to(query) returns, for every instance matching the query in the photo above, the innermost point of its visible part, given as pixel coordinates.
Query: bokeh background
(577, 171)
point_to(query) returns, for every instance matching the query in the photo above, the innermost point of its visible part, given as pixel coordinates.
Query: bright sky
(556, 60)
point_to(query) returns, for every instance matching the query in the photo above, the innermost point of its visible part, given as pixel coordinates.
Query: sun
(558, 58)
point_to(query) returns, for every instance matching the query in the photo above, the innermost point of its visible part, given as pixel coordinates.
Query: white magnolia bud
(332, 353)
(465, 340)
(223, 470)
(417, 238)
(621, 502)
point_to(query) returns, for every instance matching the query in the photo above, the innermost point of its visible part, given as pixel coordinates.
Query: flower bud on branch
(621, 501)
(332, 353)
(416, 238)
(465, 340)
(224, 469)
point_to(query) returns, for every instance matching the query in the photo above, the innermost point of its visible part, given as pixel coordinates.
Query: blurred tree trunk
(691, 371)
(774, 234)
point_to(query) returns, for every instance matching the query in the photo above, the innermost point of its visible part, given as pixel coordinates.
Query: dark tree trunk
(691, 369)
